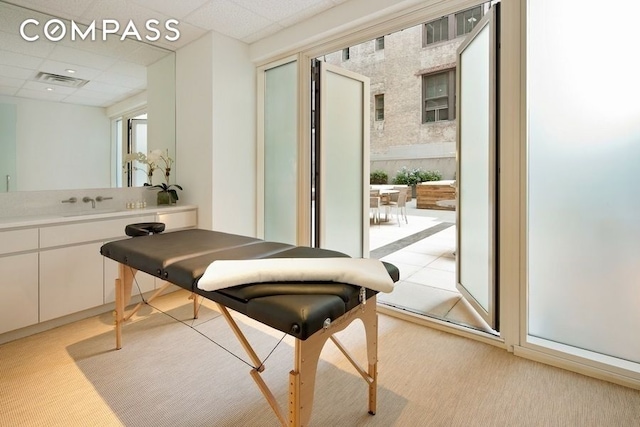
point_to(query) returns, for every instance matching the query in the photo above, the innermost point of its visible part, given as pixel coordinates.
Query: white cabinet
(72, 280)
(55, 268)
(18, 291)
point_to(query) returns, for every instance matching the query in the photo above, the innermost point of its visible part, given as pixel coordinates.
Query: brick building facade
(412, 74)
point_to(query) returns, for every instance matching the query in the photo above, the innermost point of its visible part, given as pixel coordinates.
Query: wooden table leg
(123, 286)
(307, 354)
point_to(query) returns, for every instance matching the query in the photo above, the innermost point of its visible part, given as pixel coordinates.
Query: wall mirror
(66, 105)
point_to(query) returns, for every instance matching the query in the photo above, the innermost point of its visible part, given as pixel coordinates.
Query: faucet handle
(100, 198)
(70, 200)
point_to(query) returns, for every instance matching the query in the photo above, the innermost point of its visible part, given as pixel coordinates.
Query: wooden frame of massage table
(306, 353)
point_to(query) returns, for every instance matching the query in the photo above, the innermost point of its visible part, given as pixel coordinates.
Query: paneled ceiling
(114, 69)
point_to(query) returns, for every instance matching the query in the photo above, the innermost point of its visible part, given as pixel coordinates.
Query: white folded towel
(370, 273)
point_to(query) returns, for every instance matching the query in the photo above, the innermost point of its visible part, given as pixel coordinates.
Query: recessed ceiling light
(50, 89)
(70, 71)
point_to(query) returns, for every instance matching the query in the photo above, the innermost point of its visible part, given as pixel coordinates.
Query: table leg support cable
(257, 365)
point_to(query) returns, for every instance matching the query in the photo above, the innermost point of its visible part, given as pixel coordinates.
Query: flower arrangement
(156, 160)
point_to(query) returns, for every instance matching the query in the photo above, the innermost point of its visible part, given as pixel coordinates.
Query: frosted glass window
(583, 195)
(280, 153)
(342, 167)
(476, 176)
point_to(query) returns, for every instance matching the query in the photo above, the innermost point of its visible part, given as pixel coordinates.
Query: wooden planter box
(429, 193)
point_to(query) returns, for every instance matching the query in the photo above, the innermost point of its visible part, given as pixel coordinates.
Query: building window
(346, 54)
(438, 96)
(465, 21)
(379, 99)
(436, 31)
(380, 43)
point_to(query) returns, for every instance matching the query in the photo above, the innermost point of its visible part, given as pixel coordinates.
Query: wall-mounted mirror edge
(67, 138)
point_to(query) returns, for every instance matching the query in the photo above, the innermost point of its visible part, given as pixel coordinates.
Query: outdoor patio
(424, 251)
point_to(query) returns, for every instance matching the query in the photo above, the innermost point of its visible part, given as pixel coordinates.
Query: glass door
(477, 196)
(342, 161)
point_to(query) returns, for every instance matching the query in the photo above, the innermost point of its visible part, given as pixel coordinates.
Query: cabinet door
(72, 280)
(18, 291)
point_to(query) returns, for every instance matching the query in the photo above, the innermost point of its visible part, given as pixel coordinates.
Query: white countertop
(87, 215)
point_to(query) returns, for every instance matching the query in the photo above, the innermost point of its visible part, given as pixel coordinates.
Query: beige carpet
(169, 375)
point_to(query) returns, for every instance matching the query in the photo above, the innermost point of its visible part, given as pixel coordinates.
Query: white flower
(155, 156)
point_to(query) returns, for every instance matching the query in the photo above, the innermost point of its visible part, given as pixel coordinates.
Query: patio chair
(399, 203)
(374, 208)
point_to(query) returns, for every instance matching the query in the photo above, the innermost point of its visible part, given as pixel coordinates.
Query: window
(379, 100)
(451, 26)
(438, 93)
(465, 21)
(346, 54)
(380, 43)
(436, 31)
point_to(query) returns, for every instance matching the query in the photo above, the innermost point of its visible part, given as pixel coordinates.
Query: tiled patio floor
(424, 250)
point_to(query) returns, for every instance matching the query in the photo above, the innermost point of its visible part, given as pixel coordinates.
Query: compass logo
(55, 30)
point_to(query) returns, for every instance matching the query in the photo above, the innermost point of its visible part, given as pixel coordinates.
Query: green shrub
(378, 177)
(430, 176)
(406, 176)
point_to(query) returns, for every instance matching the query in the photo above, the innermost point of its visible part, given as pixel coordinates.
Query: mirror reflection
(71, 110)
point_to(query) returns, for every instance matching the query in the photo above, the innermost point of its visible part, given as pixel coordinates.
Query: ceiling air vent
(56, 79)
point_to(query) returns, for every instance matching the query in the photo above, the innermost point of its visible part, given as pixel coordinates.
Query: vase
(165, 198)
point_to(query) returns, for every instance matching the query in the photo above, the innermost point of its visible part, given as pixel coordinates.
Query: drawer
(178, 220)
(92, 231)
(18, 240)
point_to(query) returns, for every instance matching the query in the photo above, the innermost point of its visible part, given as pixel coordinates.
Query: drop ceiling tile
(14, 43)
(7, 90)
(145, 55)
(227, 18)
(128, 69)
(98, 86)
(42, 87)
(38, 94)
(11, 82)
(123, 11)
(172, 8)
(281, 9)
(44, 96)
(306, 13)
(61, 68)
(69, 9)
(81, 57)
(19, 60)
(16, 72)
(188, 33)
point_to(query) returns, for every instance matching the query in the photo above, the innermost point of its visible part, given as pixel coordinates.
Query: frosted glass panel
(475, 240)
(583, 189)
(342, 151)
(280, 153)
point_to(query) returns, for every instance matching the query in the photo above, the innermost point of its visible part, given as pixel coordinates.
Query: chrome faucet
(70, 200)
(89, 199)
(100, 198)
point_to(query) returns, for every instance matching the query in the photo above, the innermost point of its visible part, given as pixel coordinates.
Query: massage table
(310, 311)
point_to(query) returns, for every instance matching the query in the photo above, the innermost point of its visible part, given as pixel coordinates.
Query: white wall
(194, 127)
(234, 137)
(63, 145)
(215, 132)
